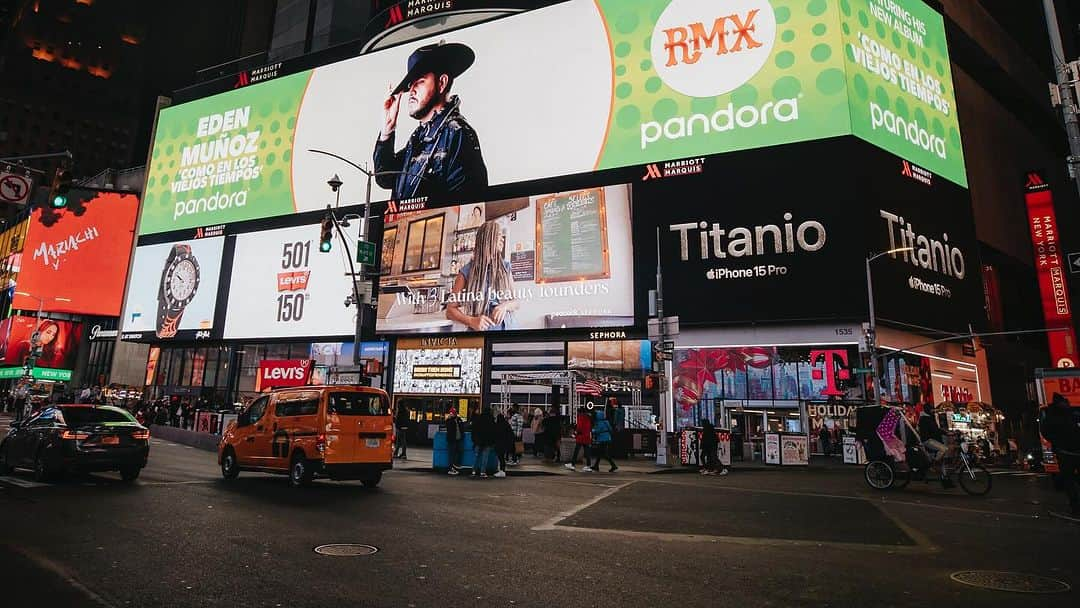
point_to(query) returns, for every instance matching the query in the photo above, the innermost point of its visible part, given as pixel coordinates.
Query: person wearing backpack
(602, 437)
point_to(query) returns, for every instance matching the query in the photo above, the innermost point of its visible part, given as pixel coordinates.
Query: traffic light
(326, 239)
(58, 195)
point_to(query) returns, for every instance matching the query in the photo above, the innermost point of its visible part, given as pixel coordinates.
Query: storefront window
(786, 377)
(423, 246)
(759, 382)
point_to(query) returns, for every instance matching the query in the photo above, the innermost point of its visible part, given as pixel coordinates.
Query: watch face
(181, 281)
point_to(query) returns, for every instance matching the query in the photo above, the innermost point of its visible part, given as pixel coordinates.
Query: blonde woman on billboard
(482, 296)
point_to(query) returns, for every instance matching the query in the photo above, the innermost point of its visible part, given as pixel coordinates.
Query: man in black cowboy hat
(442, 157)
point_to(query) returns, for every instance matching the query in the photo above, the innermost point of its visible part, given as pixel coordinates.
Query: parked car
(338, 432)
(76, 438)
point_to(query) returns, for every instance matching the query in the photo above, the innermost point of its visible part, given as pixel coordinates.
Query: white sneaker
(500, 474)
(569, 465)
(453, 472)
(586, 469)
(483, 475)
(722, 473)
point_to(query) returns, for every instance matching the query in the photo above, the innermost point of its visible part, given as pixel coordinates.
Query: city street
(181, 536)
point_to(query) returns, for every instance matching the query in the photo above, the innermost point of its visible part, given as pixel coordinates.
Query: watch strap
(168, 319)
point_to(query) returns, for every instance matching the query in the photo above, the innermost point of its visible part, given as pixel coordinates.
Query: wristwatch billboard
(179, 282)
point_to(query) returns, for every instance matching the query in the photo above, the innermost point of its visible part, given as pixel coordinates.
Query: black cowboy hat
(451, 58)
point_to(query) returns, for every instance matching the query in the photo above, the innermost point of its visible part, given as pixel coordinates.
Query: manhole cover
(1017, 582)
(346, 550)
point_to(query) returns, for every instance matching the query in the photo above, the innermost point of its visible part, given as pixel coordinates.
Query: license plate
(371, 443)
(110, 440)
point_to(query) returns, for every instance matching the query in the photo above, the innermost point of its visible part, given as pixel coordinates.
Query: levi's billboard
(599, 84)
(283, 287)
(277, 373)
(77, 263)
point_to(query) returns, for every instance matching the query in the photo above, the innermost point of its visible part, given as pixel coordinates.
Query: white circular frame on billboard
(698, 69)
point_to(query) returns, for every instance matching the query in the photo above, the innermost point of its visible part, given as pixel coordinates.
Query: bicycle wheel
(975, 480)
(879, 475)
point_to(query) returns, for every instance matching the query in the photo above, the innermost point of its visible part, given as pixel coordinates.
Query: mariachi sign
(1050, 269)
(278, 373)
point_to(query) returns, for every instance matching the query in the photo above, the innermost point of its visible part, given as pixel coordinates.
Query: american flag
(590, 387)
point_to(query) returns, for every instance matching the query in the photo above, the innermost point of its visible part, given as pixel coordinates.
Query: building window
(388, 247)
(423, 247)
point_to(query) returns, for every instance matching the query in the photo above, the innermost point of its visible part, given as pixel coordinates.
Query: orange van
(338, 432)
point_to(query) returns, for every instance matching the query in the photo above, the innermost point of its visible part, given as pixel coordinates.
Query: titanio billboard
(571, 88)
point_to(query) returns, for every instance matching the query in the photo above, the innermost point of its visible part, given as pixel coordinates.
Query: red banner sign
(1051, 271)
(278, 373)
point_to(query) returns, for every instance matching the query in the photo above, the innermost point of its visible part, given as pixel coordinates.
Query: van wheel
(229, 468)
(300, 471)
(372, 482)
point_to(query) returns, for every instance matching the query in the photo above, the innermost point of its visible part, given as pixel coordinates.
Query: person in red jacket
(582, 439)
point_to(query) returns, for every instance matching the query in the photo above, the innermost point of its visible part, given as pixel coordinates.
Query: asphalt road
(181, 536)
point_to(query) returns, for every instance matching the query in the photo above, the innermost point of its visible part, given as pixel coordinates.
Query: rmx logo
(242, 80)
(652, 171)
(704, 48)
(396, 16)
(835, 369)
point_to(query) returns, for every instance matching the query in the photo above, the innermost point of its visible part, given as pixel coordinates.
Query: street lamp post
(335, 184)
(872, 331)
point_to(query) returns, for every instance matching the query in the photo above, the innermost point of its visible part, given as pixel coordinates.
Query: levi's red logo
(293, 281)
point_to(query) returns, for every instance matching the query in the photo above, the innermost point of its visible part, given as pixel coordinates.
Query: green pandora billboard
(900, 85)
(571, 88)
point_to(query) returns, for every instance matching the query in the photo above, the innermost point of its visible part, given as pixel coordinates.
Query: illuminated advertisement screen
(77, 263)
(439, 366)
(611, 83)
(900, 86)
(283, 286)
(59, 341)
(173, 289)
(542, 262)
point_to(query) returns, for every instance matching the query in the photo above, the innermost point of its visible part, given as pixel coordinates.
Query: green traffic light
(324, 246)
(59, 201)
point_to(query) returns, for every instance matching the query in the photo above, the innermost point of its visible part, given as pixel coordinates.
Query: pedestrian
(537, 426)
(709, 445)
(517, 425)
(454, 436)
(483, 436)
(826, 443)
(177, 414)
(504, 443)
(552, 425)
(1060, 425)
(401, 423)
(603, 435)
(582, 439)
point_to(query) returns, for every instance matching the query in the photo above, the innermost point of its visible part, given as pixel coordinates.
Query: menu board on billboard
(756, 73)
(571, 236)
(173, 289)
(453, 272)
(77, 263)
(283, 286)
(59, 341)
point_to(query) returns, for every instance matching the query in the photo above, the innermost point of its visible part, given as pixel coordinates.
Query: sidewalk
(420, 459)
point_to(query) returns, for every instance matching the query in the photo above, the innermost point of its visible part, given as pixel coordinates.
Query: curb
(202, 441)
